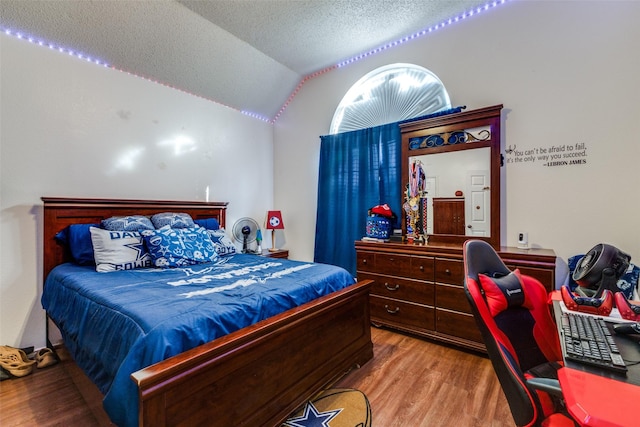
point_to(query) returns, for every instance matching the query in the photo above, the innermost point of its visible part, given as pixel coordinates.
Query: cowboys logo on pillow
(223, 244)
(118, 250)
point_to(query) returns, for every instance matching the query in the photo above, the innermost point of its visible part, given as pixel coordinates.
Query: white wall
(566, 72)
(71, 128)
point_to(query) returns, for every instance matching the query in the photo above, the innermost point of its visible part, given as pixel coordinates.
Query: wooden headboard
(60, 212)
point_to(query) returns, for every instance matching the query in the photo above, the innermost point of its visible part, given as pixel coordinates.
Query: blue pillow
(173, 220)
(77, 238)
(179, 247)
(209, 223)
(127, 223)
(222, 244)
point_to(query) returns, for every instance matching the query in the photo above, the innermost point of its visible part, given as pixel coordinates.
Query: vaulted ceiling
(247, 54)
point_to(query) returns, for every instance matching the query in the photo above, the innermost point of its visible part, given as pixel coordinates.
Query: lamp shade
(274, 220)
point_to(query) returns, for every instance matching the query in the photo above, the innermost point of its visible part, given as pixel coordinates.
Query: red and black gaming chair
(520, 335)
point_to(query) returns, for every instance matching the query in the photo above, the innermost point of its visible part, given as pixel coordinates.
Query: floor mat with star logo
(334, 408)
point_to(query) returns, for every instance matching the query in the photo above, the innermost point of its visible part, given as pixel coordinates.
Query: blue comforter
(116, 323)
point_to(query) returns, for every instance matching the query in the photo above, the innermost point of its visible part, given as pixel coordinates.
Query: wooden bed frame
(256, 376)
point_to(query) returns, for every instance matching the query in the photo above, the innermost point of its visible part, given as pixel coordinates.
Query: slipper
(15, 361)
(45, 357)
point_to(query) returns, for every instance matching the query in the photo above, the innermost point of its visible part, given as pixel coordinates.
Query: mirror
(458, 191)
(457, 159)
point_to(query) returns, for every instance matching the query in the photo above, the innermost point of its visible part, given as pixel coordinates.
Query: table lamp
(274, 222)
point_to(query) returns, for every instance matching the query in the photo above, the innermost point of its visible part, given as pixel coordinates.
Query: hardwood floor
(60, 395)
(410, 383)
(416, 383)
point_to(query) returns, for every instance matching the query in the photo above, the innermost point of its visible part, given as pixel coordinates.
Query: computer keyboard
(587, 339)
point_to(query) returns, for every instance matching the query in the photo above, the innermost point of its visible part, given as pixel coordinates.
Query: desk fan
(600, 269)
(245, 230)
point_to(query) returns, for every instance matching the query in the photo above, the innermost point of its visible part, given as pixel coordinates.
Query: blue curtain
(358, 170)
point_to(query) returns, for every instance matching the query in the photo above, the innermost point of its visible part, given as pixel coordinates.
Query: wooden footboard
(259, 375)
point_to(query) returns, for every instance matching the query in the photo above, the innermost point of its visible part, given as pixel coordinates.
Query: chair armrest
(550, 385)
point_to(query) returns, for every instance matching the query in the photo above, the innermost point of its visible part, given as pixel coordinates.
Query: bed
(253, 376)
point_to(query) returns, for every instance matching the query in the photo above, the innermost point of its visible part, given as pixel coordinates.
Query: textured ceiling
(247, 54)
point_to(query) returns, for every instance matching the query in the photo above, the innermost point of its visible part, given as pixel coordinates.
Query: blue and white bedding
(116, 323)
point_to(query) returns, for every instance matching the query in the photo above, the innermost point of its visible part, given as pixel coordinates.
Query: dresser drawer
(452, 297)
(395, 265)
(400, 288)
(403, 314)
(422, 268)
(457, 324)
(449, 271)
(365, 261)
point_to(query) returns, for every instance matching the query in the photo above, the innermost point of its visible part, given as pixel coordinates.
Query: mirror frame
(483, 117)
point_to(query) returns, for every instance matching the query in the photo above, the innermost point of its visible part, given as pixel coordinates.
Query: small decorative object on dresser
(274, 222)
(379, 223)
(259, 241)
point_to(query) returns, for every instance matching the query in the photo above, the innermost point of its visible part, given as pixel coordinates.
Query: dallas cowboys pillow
(127, 223)
(222, 244)
(179, 247)
(118, 250)
(173, 220)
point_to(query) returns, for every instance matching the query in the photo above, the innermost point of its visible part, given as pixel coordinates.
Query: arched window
(390, 94)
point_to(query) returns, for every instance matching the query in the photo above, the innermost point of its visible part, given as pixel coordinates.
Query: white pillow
(119, 250)
(222, 244)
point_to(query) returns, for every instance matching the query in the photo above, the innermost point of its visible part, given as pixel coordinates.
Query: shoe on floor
(15, 361)
(45, 357)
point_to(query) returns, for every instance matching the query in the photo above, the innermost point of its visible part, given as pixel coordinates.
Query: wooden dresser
(419, 288)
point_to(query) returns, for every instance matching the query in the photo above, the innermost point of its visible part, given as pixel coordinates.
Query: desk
(597, 397)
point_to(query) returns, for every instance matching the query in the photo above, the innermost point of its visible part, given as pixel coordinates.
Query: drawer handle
(422, 268)
(389, 288)
(386, 307)
(364, 261)
(447, 271)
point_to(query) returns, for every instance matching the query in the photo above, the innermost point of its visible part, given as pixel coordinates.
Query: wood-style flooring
(410, 383)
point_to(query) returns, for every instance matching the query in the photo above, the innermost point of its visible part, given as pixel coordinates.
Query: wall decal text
(549, 156)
